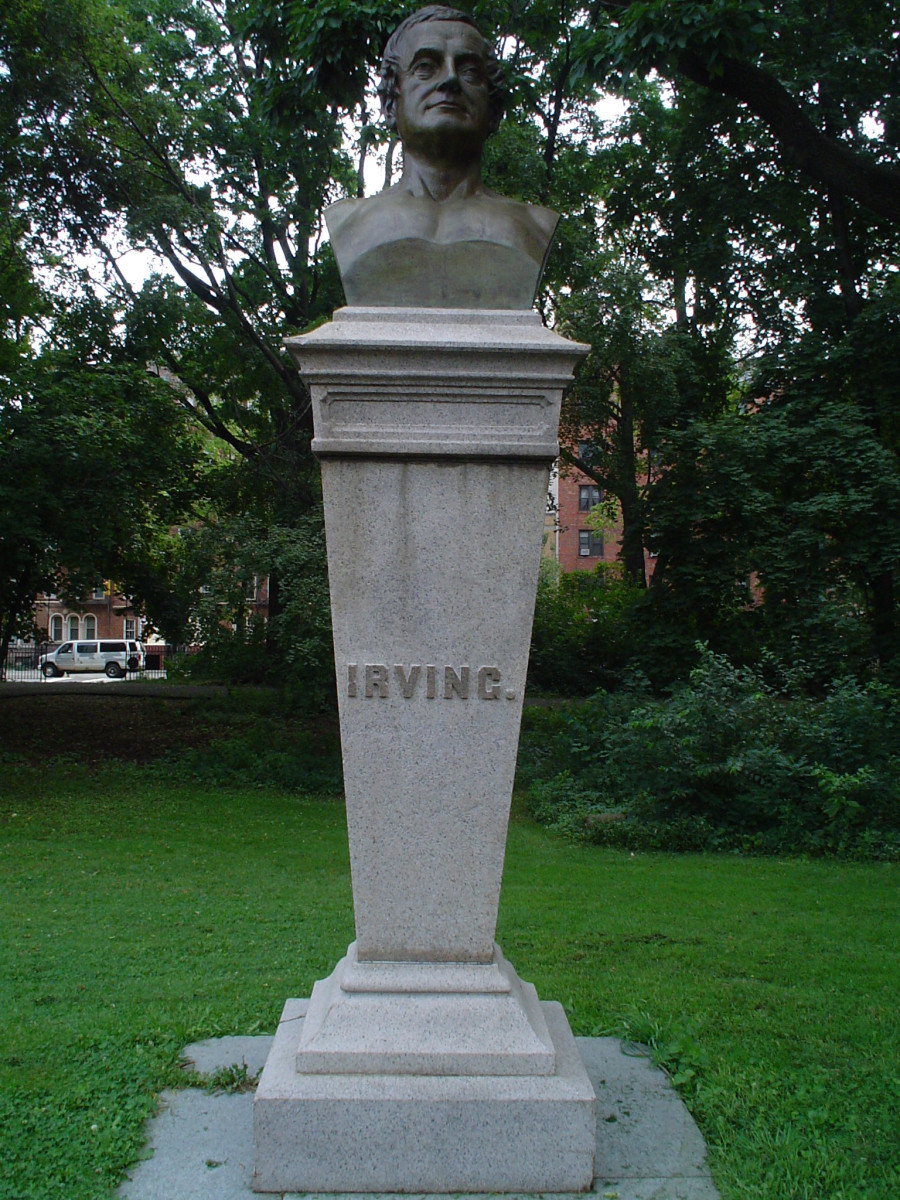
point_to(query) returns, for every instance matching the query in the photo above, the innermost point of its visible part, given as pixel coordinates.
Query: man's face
(442, 104)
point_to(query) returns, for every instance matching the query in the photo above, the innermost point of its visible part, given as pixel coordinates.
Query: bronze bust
(439, 238)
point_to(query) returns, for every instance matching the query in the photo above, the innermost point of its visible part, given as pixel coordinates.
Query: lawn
(144, 906)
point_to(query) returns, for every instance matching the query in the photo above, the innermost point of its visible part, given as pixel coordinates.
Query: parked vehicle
(116, 658)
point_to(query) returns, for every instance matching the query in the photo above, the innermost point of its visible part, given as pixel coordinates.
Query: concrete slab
(207, 1057)
(648, 1147)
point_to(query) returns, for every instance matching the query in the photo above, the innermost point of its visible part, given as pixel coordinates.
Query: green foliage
(580, 634)
(730, 760)
(302, 629)
(216, 568)
(668, 1044)
(339, 39)
(653, 30)
(771, 502)
(202, 135)
(95, 462)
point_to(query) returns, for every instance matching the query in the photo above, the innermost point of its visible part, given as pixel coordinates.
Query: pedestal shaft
(433, 568)
(436, 430)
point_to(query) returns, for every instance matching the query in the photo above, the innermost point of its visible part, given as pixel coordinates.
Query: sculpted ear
(387, 94)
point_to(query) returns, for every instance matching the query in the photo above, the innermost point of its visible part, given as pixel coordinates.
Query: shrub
(581, 634)
(727, 760)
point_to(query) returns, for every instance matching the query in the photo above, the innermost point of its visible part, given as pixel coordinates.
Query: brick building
(578, 542)
(102, 613)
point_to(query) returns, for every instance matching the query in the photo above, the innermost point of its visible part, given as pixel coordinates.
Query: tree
(707, 273)
(657, 303)
(814, 75)
(750, 282)
(94, 463)
(210, 135)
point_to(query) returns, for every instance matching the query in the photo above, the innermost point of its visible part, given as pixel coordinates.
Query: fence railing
(24, 664)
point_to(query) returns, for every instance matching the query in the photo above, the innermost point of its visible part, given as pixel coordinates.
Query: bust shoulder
(355, 226)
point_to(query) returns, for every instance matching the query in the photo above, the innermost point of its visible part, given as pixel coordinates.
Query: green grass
(139, 913)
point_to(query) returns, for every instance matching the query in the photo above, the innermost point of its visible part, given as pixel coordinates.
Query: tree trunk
(632, 553)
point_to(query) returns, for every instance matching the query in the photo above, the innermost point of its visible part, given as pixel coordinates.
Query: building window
(130, 629)
(56, 628)
(590, 544)
(90, 627)
(99, 592)
(588, 497)
(72, 627)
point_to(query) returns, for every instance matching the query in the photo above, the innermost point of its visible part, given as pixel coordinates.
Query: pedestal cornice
(436, 383)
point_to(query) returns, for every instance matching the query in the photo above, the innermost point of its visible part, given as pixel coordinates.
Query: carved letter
(430, 673)
(407, 682)
(376, 678)
(488, 678)
(351, 679)
(456, 683)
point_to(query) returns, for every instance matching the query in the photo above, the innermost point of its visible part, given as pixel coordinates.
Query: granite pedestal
(424, 1063)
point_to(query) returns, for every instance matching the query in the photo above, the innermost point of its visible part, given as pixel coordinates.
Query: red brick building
(101, 614)
(581, 541)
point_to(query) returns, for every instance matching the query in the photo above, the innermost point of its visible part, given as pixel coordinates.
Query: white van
(116, 658)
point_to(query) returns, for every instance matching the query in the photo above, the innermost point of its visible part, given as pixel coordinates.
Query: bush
(727, 761)
(581, 634)
(256, 747)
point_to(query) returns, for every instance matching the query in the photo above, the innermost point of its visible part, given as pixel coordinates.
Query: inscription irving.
(377, 681)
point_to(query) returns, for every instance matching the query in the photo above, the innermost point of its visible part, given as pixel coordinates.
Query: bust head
(442, 86)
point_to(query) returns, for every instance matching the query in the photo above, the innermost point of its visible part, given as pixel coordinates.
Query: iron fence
(24, 664)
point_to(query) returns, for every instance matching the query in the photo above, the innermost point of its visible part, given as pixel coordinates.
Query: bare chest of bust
(475, 252)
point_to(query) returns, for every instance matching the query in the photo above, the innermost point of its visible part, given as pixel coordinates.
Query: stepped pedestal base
(423, 1133)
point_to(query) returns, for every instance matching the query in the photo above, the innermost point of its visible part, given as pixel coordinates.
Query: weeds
(670, 1044)
(228, 1080)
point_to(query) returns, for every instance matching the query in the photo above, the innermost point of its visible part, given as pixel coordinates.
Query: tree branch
(826, 160)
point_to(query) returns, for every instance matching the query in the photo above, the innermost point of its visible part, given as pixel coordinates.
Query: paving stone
(202, 1145)
(215, 1053)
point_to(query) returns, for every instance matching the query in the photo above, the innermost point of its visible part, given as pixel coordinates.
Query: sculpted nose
(449, 79)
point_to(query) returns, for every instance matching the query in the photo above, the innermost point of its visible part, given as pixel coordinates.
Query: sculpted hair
(390, 63)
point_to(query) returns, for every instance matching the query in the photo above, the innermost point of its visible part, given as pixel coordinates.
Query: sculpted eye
(423, 69)
(471, 68)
